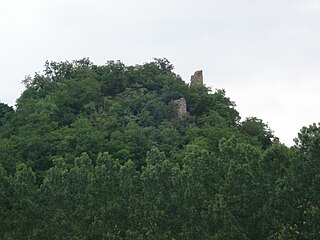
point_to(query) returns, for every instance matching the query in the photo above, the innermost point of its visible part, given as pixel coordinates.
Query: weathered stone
(181, 107)
(197, 78)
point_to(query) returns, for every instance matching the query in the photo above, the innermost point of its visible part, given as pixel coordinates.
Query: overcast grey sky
(265, 54)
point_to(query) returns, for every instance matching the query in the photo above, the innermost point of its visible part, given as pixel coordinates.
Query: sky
(265, 54)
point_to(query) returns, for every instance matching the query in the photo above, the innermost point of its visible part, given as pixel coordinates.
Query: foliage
(99, 152)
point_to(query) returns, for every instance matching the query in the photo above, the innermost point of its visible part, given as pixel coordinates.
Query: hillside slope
(101, 152)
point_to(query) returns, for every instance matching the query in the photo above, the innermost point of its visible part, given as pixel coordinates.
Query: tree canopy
(100, 152)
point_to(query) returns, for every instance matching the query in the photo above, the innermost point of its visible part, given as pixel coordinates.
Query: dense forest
(100, 152)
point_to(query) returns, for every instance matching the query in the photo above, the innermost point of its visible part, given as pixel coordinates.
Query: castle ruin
(181, 107)
(197, 78)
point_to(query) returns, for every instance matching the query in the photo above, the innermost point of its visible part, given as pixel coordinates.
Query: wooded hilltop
(101, 152)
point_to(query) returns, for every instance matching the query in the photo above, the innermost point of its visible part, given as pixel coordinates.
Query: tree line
(99, 152)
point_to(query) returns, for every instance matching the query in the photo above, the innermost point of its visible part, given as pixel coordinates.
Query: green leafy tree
(99, 152)
(258, 131)
(23, 216)
(4, 110)
(4, 203)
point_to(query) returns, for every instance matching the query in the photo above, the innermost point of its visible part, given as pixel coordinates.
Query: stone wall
(197, 78)
(181, 107)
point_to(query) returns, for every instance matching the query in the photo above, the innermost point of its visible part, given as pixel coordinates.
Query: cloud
(264, 53)
(311, 7)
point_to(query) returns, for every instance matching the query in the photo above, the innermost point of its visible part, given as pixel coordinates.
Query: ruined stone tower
(181, 104)
(181, 107)
(197, 78)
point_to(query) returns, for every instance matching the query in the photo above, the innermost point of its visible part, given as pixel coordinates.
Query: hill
(104, 152)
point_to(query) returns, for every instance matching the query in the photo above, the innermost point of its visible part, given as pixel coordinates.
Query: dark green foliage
(4, 109)
(99, 152)
(258, 131)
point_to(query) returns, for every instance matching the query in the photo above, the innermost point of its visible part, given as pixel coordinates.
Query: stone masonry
(197, 78)
(181, 107)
